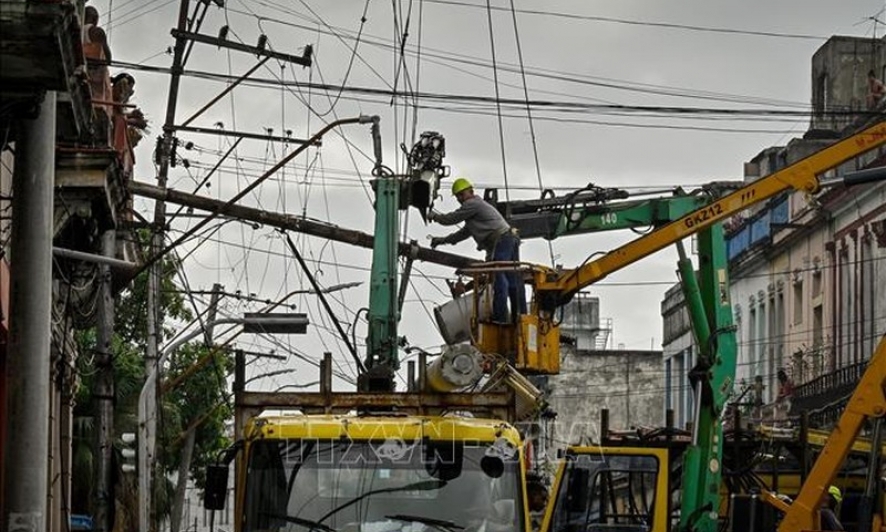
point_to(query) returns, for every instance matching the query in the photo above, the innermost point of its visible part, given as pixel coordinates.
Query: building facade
(804, 270)
(60, 102)
(678, 352)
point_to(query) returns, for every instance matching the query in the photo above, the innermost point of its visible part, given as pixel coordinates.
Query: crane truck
(436, 458)
(601, 488)
(427, 458)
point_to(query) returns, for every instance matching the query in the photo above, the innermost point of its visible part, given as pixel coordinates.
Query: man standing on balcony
(92, 33)
(785, 385)
(876, 90)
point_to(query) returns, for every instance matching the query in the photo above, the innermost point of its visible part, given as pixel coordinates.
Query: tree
(194, 405)
(198, 432)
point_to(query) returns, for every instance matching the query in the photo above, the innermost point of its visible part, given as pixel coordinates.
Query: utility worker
(829, 519)
(494, 235)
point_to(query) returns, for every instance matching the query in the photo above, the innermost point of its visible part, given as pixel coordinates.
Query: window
(334, 483)
(780, 319)
(772, 345)
(752, 343)
(844, 313)
(680, 402)
(820, 96)
(689, 405)
(868, 316)
(798, 302)
(762, 338)
(798, 366)
(817, 341)
(603, 493)
(669, 387)
(816, 282)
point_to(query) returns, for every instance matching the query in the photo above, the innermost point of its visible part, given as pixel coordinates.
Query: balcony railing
(823, 396)
(757, 229)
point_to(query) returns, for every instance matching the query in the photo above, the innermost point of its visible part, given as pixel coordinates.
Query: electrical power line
(666, 25)
(551, 105)
(446, 58)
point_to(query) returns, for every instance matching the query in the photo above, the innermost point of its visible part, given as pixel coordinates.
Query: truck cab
(380, 473)
(609, 489)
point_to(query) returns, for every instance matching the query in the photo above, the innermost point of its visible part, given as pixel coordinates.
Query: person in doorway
(876, 90)
(537, 497)
(785, 385)
(494, 235)
(830, 509)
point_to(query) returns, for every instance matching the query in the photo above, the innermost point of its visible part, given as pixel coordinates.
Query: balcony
(824, 397)
(747, 235)
(41, 50)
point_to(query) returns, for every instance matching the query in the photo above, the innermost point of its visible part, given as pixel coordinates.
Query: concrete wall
(629, 383)
(581, 321)
(839, 78)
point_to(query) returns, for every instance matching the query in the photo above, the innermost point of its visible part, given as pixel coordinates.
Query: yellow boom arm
(868, 401)
(801, 176)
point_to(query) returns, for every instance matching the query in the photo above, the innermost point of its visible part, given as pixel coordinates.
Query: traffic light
(127, 452)
(216, 492)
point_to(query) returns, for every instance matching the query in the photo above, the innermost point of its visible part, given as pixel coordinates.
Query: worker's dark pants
(507, 285)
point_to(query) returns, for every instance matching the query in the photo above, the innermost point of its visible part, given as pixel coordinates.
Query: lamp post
(147, 401)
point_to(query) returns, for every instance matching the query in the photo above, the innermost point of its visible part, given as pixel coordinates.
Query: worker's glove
(436, 241)
(432, 215)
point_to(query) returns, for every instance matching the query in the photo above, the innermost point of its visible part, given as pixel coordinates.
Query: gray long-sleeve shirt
(482, 222)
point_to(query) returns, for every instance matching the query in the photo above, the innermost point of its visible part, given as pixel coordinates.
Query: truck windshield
(607, 493)
(388, 485)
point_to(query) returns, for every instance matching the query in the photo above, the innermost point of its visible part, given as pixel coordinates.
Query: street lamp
(147, 401)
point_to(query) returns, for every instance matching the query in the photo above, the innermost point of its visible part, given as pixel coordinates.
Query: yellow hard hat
(836, 493)
(460, 185)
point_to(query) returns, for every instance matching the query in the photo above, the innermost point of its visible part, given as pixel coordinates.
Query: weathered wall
(839, 78)
(629, 383)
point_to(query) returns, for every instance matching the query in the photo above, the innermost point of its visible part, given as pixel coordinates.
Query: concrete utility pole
(178, 501)
(147, 519)
(103, 391)
(26, 468)
(298, 224)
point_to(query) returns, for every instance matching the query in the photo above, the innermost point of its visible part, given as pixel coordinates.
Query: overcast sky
(700, 54)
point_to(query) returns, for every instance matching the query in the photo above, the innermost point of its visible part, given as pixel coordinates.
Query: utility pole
(26, 474)
(166, 158)
(178, 501)
(147, 520)
(103, 391)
